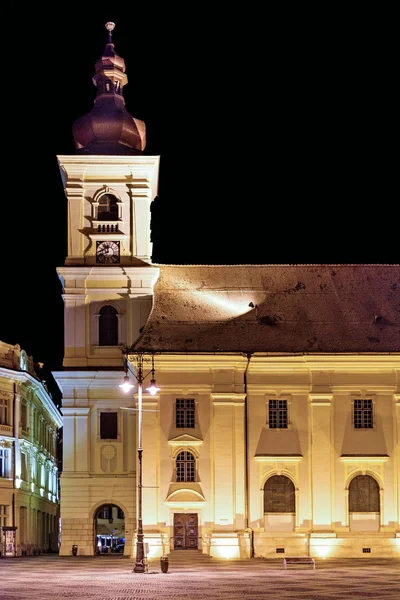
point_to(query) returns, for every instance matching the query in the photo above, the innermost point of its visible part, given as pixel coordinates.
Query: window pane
(3, 462)
(108, 326)
(278, 414)
(185, 467)
(363, 414)
(185, 413)
(108, 208)
(108, 426)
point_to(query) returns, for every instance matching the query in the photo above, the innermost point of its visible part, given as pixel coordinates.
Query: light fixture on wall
(153, 389)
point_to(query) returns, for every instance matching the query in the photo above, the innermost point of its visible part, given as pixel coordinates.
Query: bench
(296, 560)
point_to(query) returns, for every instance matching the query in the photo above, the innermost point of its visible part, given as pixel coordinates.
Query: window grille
(279, 495)
(278, 414)
(184, 413)
(363, 414)
(364, 494)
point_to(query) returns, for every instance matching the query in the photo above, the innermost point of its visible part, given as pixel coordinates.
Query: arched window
(185, 466)
(364, 494)
(108, 208)
(279, 495)
(108, 326)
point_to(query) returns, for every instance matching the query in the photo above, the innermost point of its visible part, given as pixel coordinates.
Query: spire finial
(110, 26)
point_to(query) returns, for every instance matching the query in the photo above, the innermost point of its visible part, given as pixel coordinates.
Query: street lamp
(152, 389)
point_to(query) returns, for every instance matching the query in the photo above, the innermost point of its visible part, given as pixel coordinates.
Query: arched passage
(109, 526)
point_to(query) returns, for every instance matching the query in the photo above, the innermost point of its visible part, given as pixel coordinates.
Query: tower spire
(109, 128)
(110, 27)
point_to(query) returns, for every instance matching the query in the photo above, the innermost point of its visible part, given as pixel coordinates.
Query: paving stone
(52, 577)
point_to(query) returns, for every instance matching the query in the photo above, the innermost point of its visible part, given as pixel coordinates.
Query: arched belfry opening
(109, 525)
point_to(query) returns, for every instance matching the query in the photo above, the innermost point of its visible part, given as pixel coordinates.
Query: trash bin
(164, 564)
(74, 550)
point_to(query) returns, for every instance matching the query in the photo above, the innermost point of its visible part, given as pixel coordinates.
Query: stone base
(327, 545)
(229, 545)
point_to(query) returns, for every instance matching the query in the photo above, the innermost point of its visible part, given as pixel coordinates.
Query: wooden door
(185, 531)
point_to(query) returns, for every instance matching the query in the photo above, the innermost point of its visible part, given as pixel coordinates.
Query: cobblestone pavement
(52, 577)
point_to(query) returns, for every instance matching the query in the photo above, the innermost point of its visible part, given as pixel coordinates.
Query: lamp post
(152, 389)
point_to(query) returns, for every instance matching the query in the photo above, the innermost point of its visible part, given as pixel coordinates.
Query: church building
(275, 429)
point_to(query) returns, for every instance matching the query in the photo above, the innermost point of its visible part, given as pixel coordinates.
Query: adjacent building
(276, 429)
(29, 424)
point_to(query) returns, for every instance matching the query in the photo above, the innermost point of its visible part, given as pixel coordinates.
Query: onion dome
(109, 128)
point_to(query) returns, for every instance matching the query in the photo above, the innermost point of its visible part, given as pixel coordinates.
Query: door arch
(109, 529)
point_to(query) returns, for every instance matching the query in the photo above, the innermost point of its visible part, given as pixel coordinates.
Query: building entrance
(185, 531)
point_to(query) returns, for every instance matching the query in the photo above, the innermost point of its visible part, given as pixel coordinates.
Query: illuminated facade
(29, 421)
(276, 430)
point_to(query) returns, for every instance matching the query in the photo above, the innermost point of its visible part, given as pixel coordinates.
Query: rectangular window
(184, 413)
(363, 414)
(23, 417)
(3, 462)
(105, 513)
(278, 414)
(23, 467)
(108, 426)
(4, 411)
(3, 515)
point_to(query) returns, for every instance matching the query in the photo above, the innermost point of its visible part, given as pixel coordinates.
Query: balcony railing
(6, 429)
(106, 227)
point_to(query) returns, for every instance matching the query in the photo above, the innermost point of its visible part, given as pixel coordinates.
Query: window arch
(364, 494)
(107, 208)
(185, 466)
(279, 495)
(108, 326)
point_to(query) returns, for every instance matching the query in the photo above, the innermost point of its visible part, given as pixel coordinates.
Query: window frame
(271, 398)
(186, 413)
(4, 462)
(105, 318)
(192, 464)
(292, 495)
(358, 398)
(108, 410)
(5, 410)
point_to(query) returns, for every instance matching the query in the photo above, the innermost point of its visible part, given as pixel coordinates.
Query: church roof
(275, 308)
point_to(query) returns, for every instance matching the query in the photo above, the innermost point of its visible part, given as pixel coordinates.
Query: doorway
(109, 527)
(185, 531)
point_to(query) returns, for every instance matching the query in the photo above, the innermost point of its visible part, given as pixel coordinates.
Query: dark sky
(274, 145)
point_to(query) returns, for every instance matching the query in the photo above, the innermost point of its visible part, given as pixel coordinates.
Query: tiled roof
(296, 308)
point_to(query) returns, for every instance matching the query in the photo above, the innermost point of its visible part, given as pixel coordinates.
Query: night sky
(273, 146)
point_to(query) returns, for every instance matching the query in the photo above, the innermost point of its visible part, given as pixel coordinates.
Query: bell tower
(108, 281)
(109, 185)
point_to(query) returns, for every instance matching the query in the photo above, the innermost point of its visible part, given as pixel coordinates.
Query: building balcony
(6, 430)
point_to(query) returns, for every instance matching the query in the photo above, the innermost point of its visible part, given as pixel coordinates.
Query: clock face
(107, 252)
